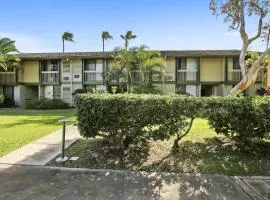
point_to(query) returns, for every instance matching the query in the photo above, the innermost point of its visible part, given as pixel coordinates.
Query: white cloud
(232, 33)
(29, 43)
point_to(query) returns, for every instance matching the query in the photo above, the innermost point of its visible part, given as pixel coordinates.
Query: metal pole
(63, 140)
(62, 158)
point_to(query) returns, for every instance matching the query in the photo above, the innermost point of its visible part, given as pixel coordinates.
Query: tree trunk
(63, 42)
(126, 44)
(103, 45)
(250, 76)
(179, 137)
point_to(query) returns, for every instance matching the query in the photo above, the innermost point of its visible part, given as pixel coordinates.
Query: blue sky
(37, 25)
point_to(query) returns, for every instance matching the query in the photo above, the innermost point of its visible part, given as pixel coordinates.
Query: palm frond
(68, 36)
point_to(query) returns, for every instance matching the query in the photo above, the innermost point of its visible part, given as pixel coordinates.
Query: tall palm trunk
(103, 45)
(63, 45)
(126, 44)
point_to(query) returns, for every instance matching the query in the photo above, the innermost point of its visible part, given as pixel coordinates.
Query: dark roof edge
(109, 54)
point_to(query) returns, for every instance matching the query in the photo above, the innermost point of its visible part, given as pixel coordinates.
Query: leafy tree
(67, 36)
(128, 36)
(8, 59)
(105, 36)
(235, 13)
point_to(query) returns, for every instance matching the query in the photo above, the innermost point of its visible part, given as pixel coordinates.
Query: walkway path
(43, 150)
(39, 182)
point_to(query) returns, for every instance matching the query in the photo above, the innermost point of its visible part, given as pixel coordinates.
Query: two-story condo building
(58, 75)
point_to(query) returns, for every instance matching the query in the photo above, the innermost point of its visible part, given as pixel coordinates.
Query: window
(54, 65)
(66, 66)
(236, 63)
(181, 64)
(89, 65)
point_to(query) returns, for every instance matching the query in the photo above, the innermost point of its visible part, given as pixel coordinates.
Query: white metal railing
(92, 77)
(234, 75)
(184, 76)
(7, 78)
(49, 77)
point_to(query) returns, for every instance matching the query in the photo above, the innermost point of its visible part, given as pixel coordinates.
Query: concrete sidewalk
(41, 151)
(38, 182)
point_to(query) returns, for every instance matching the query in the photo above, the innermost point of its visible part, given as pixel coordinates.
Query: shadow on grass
(216, 155)
(211, 155)
(97, 154)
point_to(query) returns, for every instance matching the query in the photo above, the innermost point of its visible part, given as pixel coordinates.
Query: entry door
(66, 94)
(207, 90)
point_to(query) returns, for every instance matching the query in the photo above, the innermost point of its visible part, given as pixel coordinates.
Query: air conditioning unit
(66, 78)
(77, 77)
(169, 78)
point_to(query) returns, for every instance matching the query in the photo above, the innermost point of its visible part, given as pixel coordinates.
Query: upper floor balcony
(235, 76)
(93, 77)
(187, 76)
(49, 78)
(8, 78)
(49, 72)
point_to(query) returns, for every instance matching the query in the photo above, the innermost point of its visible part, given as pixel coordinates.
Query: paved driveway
(39, 182)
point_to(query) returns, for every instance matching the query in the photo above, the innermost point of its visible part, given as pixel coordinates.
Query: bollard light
(63, 158)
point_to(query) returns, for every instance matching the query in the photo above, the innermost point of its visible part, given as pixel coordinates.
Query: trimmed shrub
(241, 117)
(129, 118)
(2, 98)
(6, 102)
(45, 104)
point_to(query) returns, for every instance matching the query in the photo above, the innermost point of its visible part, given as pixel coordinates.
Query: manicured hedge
(129, 118)
(45, 104)
(242, 117)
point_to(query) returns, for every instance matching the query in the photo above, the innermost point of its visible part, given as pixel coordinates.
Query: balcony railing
(187, 76)
(49, 77)
(91, 77)
(234, 76)
(7, 78)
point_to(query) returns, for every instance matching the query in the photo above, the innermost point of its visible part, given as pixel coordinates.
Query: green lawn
(19, 127)
(202, 151)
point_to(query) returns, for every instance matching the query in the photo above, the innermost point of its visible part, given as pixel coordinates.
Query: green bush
(129, 118)
(2, 98)
(6, 102)
(241, 117)
(45, 104)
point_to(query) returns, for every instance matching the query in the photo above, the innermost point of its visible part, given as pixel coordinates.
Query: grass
(202, 151)
(19, 127)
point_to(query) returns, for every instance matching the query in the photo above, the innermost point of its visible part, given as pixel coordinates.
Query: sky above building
(37, 25)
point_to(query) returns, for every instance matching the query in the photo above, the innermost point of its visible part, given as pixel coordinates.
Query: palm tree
(105, 36)
(67, 36)
(128, 36)
(7, 57)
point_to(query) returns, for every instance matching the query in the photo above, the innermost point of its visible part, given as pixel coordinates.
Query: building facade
(58, 75)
